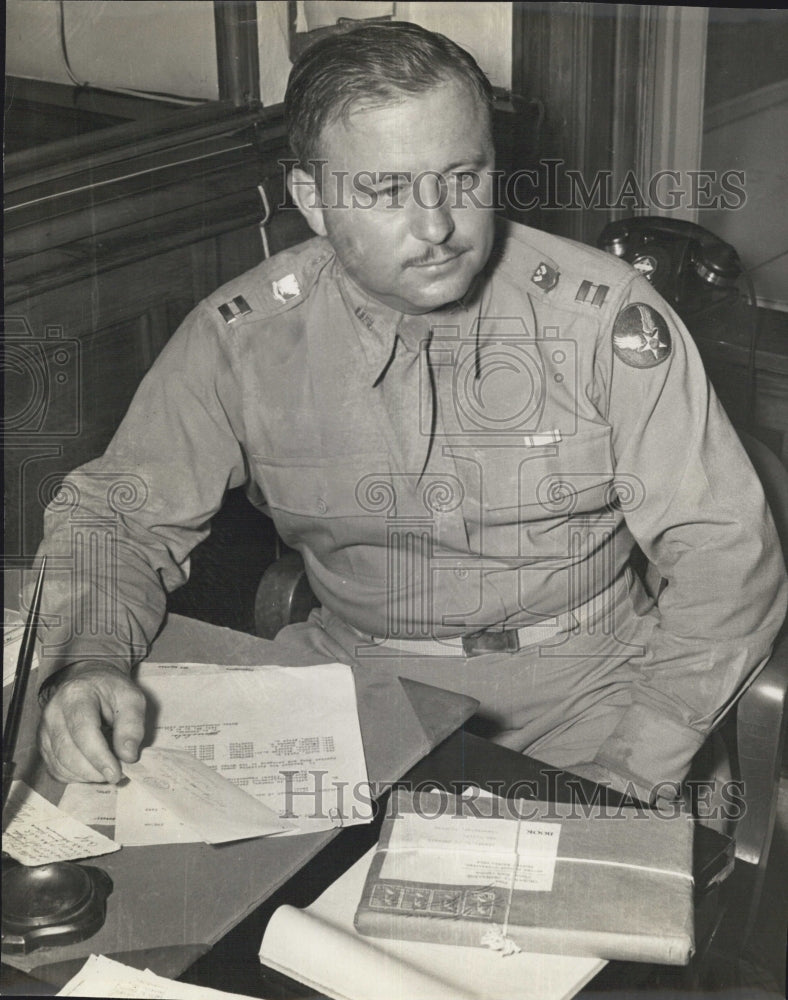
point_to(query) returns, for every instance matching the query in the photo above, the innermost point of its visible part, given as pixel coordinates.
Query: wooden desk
(171, 903)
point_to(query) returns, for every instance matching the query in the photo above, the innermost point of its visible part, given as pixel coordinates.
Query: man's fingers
(86, 735)
(65, 764)
(128, 725)
(70, 736)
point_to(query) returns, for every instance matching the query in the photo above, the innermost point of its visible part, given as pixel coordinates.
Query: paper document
(13, 630)
(90, 803)
(320, 946)
(289, 736)
(35, 832)
(103, 977)
(151, 822)
(201, 798)
(144, 821)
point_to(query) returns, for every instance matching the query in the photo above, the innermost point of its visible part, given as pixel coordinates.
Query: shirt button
(322, 506)
(461, 573)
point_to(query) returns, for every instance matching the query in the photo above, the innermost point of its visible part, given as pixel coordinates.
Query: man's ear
(303, 188)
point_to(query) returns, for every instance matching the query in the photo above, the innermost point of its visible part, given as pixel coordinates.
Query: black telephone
(690, 267)
(698, 274)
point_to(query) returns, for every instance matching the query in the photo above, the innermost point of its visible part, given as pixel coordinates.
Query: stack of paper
(102, 977)
(287, 737)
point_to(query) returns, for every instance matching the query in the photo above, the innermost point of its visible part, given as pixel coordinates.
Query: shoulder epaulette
(566, 273)
(273, 286)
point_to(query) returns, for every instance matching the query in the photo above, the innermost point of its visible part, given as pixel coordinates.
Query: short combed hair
(374, 64)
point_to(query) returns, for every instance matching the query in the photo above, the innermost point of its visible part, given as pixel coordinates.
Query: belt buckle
(486, 641)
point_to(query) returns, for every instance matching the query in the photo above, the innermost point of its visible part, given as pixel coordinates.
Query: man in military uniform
(465, 427)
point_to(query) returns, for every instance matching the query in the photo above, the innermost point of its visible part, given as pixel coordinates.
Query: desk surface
(171, 903)
(233, 965)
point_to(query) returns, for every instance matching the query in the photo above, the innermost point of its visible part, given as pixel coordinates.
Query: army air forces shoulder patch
(641, 337)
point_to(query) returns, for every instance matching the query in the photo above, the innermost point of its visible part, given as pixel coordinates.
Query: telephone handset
(689, 266)
(696, 272)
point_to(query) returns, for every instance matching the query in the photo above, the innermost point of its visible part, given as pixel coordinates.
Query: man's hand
(69, 735)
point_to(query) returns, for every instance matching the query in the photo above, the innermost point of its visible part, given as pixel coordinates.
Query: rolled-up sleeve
(702, 520)
(119, 530)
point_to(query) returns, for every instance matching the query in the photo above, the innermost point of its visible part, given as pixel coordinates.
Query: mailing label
(473, 851)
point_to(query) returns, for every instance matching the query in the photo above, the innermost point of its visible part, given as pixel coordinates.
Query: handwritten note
(35, 832)
(202, 799)
(103, 977)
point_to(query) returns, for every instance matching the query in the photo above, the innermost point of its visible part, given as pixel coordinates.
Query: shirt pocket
(544, 481)
(320, 498)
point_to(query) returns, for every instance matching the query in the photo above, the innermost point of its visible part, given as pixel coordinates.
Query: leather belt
(508, 639)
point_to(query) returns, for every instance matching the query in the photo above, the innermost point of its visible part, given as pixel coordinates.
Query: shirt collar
(379, 327)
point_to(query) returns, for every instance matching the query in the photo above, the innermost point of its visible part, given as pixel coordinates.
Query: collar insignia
(286, 288)
(545, 277)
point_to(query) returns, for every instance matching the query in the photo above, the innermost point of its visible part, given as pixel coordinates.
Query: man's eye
(392, 194)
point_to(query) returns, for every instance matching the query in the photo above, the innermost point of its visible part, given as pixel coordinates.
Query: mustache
(436, 256)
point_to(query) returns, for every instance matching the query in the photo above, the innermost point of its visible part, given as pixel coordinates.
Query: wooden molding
(672, 81)
(237, 51)
(744, 105)
(561, 57)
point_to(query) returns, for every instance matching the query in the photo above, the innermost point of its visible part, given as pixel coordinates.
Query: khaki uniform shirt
(489, 465)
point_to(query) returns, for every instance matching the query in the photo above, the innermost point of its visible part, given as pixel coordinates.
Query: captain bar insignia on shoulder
(231, 311)
(597, 299)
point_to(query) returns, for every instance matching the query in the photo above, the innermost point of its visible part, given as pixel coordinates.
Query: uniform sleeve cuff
(650, 750)
(51, 683)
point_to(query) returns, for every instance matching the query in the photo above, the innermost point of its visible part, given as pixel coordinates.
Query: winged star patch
(641, 337)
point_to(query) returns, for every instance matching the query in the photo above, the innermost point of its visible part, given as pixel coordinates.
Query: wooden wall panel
(564, 58)
(101, 278)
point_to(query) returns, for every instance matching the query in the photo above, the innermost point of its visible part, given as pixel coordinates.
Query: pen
(23, 664)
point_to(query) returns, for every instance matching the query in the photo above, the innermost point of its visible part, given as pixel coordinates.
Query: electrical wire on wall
(85, 85)
(265, 219)
(61, 17)
(752, 349)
